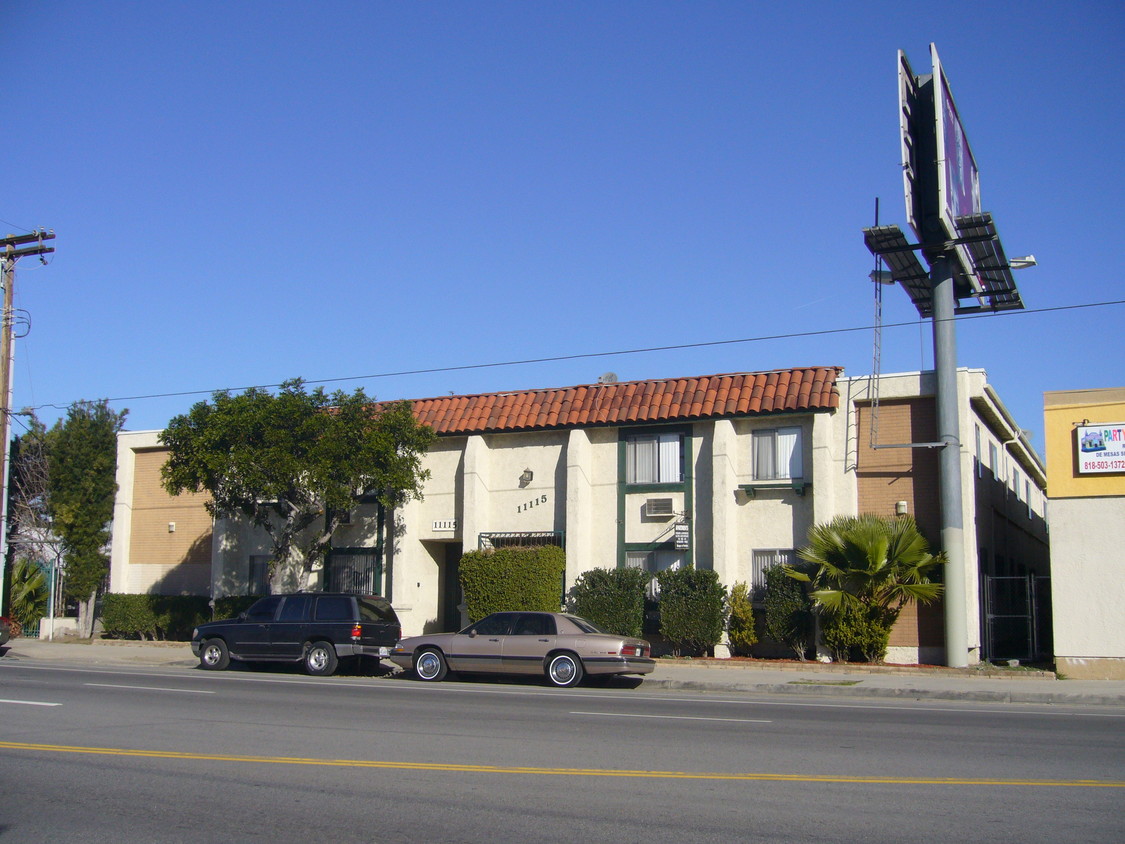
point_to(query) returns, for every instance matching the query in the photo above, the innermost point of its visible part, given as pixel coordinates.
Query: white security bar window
(653, 459)
(763, 559)
(652, 562)
(777, 454)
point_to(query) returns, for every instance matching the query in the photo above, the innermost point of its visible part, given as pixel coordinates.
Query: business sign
(909, 108)
(940, 176)
(1101, 448)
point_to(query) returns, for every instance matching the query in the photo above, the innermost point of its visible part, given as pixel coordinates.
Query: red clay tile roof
(635, 402)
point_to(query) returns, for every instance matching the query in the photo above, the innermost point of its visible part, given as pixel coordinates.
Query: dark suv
(317, 629)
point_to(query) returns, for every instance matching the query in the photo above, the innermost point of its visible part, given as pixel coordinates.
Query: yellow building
(1085, 438)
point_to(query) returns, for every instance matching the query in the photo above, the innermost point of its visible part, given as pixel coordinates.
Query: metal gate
(355, 570)
(1017, 618)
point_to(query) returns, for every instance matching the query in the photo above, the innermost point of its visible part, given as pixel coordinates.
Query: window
(264, 609)
(1027, 496)
(534, 624)
(993, 459)
(654, 458)
(296, 608)
(497, 624)
(259, 575)
(334, 608)
(777, 454)
(652, 562)
(980, 461)
(763, 559)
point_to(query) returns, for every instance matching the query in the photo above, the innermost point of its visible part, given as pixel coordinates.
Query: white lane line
(31, 702)
(149, 688)
(674, 717)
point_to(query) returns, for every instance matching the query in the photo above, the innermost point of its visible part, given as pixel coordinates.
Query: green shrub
(692, 609)
(614, 599)
(740, 625)
(521, 578)
(176, 615)
(170, 617)
(858, 633)
(229, 606)
(788, 612)
(128, 616)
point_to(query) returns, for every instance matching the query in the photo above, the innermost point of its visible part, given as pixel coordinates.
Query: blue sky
(245, 192)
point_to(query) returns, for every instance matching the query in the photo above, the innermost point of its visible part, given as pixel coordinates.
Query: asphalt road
(178, 754)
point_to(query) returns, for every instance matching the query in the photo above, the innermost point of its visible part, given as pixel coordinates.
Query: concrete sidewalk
(726, 676)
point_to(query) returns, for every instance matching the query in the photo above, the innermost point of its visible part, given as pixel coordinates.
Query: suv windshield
(375, 609)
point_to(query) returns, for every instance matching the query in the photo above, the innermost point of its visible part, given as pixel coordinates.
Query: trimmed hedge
(524, 578)
(788, 611)
(692, 609)
(231, 605)
(614, 599)
(169, 617)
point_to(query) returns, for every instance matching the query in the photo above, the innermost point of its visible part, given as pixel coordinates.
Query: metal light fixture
(526, 477)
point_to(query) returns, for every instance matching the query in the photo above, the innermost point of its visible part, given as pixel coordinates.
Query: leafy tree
(867, 568)
(31, 537)
(788, 612)
(294, 463)
(82, 462)
(740, 625)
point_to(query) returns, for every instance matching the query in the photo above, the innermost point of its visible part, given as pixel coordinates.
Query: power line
(590, 355)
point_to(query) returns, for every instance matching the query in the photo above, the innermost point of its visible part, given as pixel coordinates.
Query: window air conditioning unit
(659, 507)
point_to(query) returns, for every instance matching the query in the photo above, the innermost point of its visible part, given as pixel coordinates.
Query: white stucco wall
(1088, 591)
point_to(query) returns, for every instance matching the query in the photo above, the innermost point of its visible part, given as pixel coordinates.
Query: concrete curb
(795, 680)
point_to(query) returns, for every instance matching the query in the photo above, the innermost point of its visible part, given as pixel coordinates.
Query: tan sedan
(564, 648)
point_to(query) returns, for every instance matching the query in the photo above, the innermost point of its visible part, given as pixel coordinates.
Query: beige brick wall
(151, 542)
(886, 476)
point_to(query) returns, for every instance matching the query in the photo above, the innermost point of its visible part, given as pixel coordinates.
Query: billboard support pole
(949, 467)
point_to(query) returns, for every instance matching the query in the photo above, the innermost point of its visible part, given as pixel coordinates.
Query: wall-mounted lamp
(901, 508)
(526, 477)
(171, 527)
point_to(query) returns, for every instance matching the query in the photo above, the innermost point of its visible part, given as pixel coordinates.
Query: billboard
(1101, 448)
(958, 177)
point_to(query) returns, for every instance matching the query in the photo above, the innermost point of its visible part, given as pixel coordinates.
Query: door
(481, 647)
(251, 638)
(290, 631)
(526, 647)
(452, 595)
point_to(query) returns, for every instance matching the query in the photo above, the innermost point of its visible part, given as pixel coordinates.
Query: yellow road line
(580, 772)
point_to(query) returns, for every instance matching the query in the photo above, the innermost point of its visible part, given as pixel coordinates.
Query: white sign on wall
(1101, 448)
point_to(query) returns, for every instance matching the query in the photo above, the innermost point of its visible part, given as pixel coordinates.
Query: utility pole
(14, 248)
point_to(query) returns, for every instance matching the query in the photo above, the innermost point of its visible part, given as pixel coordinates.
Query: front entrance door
(452, 597)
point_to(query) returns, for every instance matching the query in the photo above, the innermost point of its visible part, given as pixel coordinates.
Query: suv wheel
(320, 659)
(213, 655)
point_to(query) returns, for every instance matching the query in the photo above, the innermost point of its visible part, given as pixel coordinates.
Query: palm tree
(29, 592)
(863, 570)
